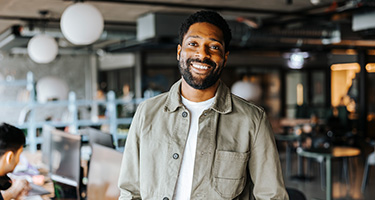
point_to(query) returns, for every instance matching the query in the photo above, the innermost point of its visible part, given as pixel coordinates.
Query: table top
(345, 152)
(35, 159)
(335, 152)
(287, 137)
(294, 122)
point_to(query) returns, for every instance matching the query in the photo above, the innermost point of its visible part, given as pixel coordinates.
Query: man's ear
(226, 58)
(8, 156)
(178, 51)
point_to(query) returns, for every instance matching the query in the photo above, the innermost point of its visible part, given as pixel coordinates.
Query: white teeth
(200, 66)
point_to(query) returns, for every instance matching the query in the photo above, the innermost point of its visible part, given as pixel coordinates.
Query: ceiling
(268, 23)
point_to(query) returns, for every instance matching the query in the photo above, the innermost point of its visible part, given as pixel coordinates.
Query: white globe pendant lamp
(82, 23)
(42, 48)
(51, 88)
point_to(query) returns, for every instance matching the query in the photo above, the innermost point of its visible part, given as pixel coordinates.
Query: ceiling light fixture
(315, 2)
(82, 23)
(296, 59)
(42, 48)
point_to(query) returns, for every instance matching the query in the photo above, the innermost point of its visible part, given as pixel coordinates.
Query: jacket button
(175, 156)
(165, 198)
(184, 114)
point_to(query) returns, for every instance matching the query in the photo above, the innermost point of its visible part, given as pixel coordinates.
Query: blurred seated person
(127, 95)
(128, 108)
(100, 96)
(12, 140)
(337, 121)
(336, 130)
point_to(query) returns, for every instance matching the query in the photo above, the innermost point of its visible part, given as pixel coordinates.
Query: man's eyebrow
(194, 36)
(213, 39)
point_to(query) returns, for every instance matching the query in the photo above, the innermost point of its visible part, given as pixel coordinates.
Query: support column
(283, 93)
(138, 74)
(328, 178)
(328, 85)
(362, 99)
(91, 77)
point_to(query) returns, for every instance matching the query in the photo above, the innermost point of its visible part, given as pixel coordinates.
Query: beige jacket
(236, 156)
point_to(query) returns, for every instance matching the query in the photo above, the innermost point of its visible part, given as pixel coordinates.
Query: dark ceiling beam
(28, 18)
(305, 11)
(193, 6)
(276, 19)
(57, 20)
(305, 14)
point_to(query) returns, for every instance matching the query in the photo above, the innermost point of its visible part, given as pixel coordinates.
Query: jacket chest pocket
(230, 173)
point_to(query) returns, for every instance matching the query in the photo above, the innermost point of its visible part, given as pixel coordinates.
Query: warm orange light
(341, 80)
(351, 52)
(299, 94)
(370, 67)
(371, 52)
(347, 66)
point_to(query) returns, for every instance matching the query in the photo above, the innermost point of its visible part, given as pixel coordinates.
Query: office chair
(370, 161)
(103, 175)
(295, 194)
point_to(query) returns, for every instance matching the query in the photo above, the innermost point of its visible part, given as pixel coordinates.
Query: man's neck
(3, 164)
(196, 95)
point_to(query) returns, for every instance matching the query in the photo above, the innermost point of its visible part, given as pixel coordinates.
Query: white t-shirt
(185, 179)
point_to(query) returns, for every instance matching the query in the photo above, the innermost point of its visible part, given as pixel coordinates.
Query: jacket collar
(222, 104)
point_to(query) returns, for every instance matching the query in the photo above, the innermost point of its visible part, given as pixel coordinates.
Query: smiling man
(198, 141)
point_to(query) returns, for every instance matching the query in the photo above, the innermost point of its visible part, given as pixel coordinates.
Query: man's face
(16, 158)
(202, 55)
(12, 159)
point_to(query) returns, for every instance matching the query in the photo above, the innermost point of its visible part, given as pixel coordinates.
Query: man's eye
(192, 44)
(215, 47)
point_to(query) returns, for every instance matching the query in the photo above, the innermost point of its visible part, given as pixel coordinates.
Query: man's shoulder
(155, 101)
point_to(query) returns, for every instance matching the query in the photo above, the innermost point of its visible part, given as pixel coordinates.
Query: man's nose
(202, 52)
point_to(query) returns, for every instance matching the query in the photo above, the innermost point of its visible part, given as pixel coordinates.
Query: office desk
(336, 152)
(35, 160)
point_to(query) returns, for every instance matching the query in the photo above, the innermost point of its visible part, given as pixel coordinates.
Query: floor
(340, 190)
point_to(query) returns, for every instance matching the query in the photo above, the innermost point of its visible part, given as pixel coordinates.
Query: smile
(200, 66)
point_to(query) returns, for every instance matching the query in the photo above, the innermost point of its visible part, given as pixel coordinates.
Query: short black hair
(11, 138)
(211, 17)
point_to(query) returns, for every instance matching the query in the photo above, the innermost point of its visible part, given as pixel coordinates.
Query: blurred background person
(248, 89)
(127, 109)
(100, 96)
(12, 140)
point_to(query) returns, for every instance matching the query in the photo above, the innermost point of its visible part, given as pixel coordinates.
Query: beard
(196, 82)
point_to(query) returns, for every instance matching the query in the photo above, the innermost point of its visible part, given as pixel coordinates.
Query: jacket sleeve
(129, 182)
(264, 164)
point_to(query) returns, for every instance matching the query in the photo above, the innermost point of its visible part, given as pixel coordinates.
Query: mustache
(205, 61)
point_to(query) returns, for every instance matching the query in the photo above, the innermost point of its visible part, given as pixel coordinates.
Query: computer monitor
(46, 145)
(65, 158)
(98, 137)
